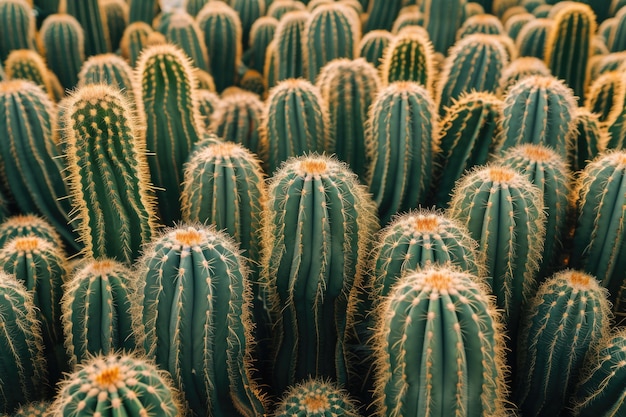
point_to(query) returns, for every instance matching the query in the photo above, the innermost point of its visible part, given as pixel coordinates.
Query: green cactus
(406, 19)
(290, 47)
(97, 310)
(208, 101)
(261, 34)
(295, 121)
(63, 41)
(223, 39)
(539, 110)
(349, 87)
(615, 6)
(117, 383)
(481, 23)
(31, 166)
(467, 138)
(109, 69)
(249, 11)
(33, 409)
(531, 5)
(116, 15)
(568, 46)
(108, 174)
(25, 64)
(21, 225)
(521, 68)
(373, 45)
(514, 25)
(165, 84)
(605, 29)
(400, 136)
(142, 11)
(17, 27)
(91, 17)
(279, 8)
(474, 63)
(331, 31)
(201, 334)
(270, 70)
(237, 118)
(542, 11)
(439, 347)
(203, 80)
(134, 40)
(568, 314)
(409, 57)
(23, 363)
(617, 39)
(589, 139)
(531, 40)
(184, 32)
(606, 98)
(318, 227)
(615, 61)
(442, 19)
(315, 398)
(503, 211)
(381, 14)
(193, 7)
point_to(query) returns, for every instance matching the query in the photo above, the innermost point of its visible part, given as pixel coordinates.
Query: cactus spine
(289, 46)
(184, 32)
(409, 57)
(237, 118)
(93, 21)
(32, 409)
(17, 27)
(315, 398)
(108, 174)
(64, 44)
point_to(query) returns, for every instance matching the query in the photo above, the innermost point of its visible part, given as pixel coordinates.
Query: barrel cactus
(521, 68)
(26, 64)
(589, 139)
(315, 398)
(33, 409)
(134, 40)
(531, 39)
(237, 118)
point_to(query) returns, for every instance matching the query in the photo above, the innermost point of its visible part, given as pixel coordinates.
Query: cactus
(109, 69)
(279, 8)
(568, 46)
(237, 118)
(467, 139)
(589, 139)
(97, 310)
(514, 25)
(542, 11)
(25, 64)
(568, 314)
(482, 23)
(63, 41)
(315, 398)
(201, 334)
(270, 70)
(208, 101)
(317, 227)
(203, 80)
(547, 170)
(538, 110)
(290, 47)
(261, 34)
(91, 17)
(184, 32)
(407, 19)
(320, 48)
(442, 19)
(21, 225)
(381, 14)
(112, 198)
(531, 40)
(447, 322)
(117, 383)
(249, 11)
(503, 211)
(401, 138)
(23, 363)
(31, 167)
(521, 68)
(295, 121)
(373, 45)
(606, 98)
(605, 29)
(193, 7)
(116, 15)
(17, 27)
(474, 63)
(409, 57)
(615, 61)
(134, 40)
(222, 36)
(142, 11)
(33, 409)
(617, 39)
(166, 88)
(349, 87)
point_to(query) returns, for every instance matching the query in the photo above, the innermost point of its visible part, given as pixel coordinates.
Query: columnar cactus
(538, 110)
(64, 45)
(197, 319)
(142, 11)
(521, 68)
(193, 7)
(33, 409)
(503, 211)
(442, 19)
(331, 31)
(589, 139)
(249, 11)
(30, 158)
(315, 398)
(480, 23)
(381, 14)
(531, 40)
(400, 143)
(460, 74)
(112, 196)
(221, 26)
(406, 19)
(514, 24)
(21, 225)
(116, 16)
(108, 69)
(372, 46)
(279, 8)
(318, 227)
(349, 87)
(617, 39)
(165, 93)
(439, 347)
(237, 118)
(606, 98)
(17, 27)
(409, 57)
(98, 304)
(289, 46)
(261, 34)
(134, 40)
(468, 138)
(568, 315)
(25, 64)
(115, 383)
(23, 363)
(184, 32)
(295, 121)
(93, 21)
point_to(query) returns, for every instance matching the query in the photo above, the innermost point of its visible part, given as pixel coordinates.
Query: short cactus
(373, 45)
(481, 23)
(108, 69)
(134, 40)
(208, 101)
(589, 139)
(64, 44)
(17, 27)
(409, 57)
(279, 8)
(184, 32)
(381, 14)
(21, 225)
(315, 398)
(407, 19)
(289, 46)
(24, 64)
(518, 69)
(92, 19)
(237, 118)
(514, 25)
(606, 98)
(531, 40)
(33, 409)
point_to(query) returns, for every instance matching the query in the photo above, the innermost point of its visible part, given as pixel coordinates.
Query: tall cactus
(289, 38)
(165, 93)
(531, 40)
(262, 32)
(381, 14)
(17, 27)
(185, 32)
(116, 16)
(64, 45)
(373, 45)
(25, 64)
(142, 11)
(409, 57)
(315, 398)
(442, 19)
(317, 227)
(134, 40)
(237, 118)
(439, 347)
(109, 69)
(93, 21)
(249, 11)
(108, 174)
(568, 315)
(201, 334)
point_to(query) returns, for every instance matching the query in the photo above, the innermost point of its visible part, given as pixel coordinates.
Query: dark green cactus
(270, 70)
(142, 11)
(315, 398)
(31, 166)
(400, 137)
(381, 14)
(439, 347)
(237, 118)
(193, 7)
(203, 80)
(589, 139)
(116, 15)
(184, 32)
(617, 39)
(542, 11)
(201, 334)
(249, 11)
(23, 363)
(295, 121)
(409, 57)
(474, 63)
(63, 41)
(331, 31)
(407, 18)
(108, 174)
(165, 93)
(33, 409)
(514, 25)
(520, 68)
(503, 211)
(117, 383)
(442, 19)
(108, 69)
(21, 225)
(615, 61)
(606, 98)
(134, 41)
(290, 47)
(467, 138)
(17, 27)
(261, 34)
(531, 40)
(568, 315)
(98, 304)
(222, 37)
(279, 8)
(539, 110)
(481, 23)
(208, 101)
(317, 227)
(349, 87)
(93, 21)
(372, 46)
(25, 64)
